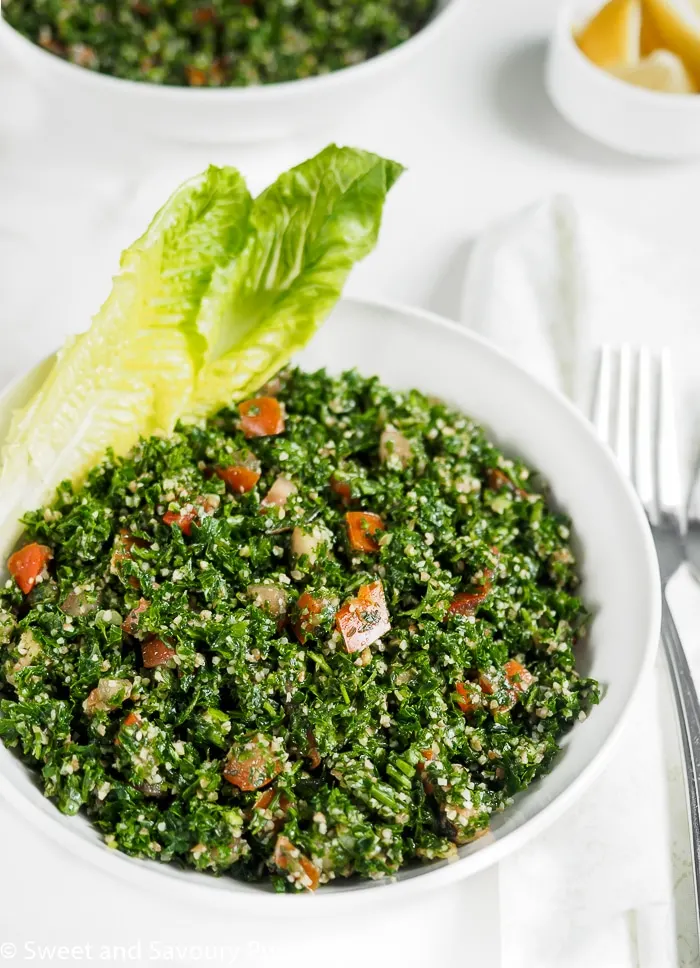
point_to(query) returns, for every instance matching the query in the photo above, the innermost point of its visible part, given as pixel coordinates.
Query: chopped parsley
(327, 633)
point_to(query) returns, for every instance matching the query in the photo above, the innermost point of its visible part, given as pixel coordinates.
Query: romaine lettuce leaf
(307, 231)
(218, 294)
(133, 371)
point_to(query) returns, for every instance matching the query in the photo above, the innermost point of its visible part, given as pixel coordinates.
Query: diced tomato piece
(364, 619)
(518, 676)
(79, 603)
(123, 546)
(289, 858)
(469, 693)
(489, 682)
(342, 489)
(130, 541)
(130, 625)
(252, 765)
(108, 694)
(209, 503)
(310, 612)
(466, 603)
(133, 719)
(204, 15)
(279, 493)
(264, 802)
(261, 417)
(362, 526)
(242, 476)
(312, 753)
(427, 755)
(156, 653)
(497, 682)
(173, 517)
(514, 678)
(266, 798)
(196, 77)
(27, 564)
(497, 480)
(183, 519)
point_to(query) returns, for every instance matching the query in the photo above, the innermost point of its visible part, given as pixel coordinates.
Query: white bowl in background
(650, 124)
(620, 584)
(222, 115)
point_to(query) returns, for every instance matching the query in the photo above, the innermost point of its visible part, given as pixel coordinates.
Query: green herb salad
(292, 627)
(328, 633)
(217, 43)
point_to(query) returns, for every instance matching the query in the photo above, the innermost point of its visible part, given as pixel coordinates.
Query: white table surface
(480, 140)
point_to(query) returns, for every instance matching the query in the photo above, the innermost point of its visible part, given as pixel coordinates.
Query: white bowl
(650, 124)
(220, 115)
(412, 348)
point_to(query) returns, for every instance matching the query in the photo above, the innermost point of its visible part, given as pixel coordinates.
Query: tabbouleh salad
(217, 43)
(328, 632)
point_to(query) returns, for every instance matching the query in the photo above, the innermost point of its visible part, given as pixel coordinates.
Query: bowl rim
(200, 890)
(564, 34)
(255, 92)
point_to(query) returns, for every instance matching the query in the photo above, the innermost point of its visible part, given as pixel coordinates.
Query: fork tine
(644, 435)
(603, 396)
(623, 443)
(641, 428)
(667, 466)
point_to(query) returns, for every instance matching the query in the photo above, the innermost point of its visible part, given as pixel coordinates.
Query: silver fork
(633, 411)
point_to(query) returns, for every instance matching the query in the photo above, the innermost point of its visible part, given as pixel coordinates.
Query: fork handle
(689, 720)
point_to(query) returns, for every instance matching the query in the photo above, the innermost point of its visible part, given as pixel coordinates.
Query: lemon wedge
(612, 37)
(660, 71)
(677, 22)
(650, 38)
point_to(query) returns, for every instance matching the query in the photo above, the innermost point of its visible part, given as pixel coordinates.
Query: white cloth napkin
(554, 282)
(549, 286)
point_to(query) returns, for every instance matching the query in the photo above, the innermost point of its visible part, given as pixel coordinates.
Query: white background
(479, 139)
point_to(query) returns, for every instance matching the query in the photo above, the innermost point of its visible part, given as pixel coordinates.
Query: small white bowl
(650, 124)
(222, 115)
(620, 584)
